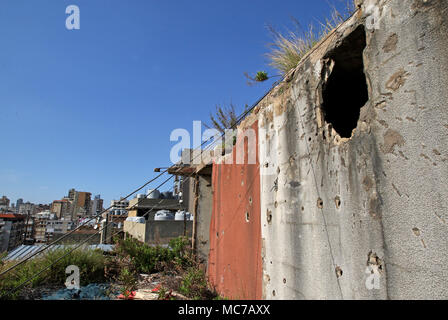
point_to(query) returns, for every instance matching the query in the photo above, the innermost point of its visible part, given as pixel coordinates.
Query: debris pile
(92, 291)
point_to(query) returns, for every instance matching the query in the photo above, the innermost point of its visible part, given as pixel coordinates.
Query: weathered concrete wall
(203, 218)
(135, 230)
(161, 232)
(333, 207)
(234, 266)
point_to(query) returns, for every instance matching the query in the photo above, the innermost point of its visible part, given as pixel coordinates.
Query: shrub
(261, 76)
(141, 258)
(194, 284)
(181, 252)
(150, 259)
(128, 279)
(164, 294)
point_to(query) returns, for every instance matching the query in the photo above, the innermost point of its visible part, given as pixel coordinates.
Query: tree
(224, 118)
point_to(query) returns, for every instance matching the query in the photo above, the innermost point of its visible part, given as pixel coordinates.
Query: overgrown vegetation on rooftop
(149, 259)
(123, 266)
(133, 258)
(90, 263)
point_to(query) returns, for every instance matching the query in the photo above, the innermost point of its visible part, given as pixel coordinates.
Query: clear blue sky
(93, 109)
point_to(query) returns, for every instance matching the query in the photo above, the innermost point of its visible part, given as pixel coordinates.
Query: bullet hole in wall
(416, 232)
(247, 216)
(345, 92)
(268, 216)
(374, 260)
(337, 201)
(339, 272)
(268, 278)
(320, 203)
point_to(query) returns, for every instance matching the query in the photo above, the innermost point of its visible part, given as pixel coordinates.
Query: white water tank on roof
(136, 219)
(153, 194)
(182, 215)
(163, 215)
(141, 196)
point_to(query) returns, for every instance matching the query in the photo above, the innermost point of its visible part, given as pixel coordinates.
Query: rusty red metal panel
(235, 265)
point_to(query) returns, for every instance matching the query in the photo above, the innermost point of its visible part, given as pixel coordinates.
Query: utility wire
(184, 180)
(232, 127)
(94, 217)
(143, 216)
(69, 252)
(242, 116)
(77, 228)
(100, 230)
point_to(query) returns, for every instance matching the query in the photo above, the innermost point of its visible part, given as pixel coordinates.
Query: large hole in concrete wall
(345, 92)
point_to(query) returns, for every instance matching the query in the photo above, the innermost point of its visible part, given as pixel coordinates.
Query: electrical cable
(77, 228)
(23, 283)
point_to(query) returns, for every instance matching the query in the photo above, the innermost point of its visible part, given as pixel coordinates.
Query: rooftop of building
(11, 216)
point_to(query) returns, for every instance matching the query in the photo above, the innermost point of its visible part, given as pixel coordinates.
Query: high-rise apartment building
(19, 202)
(4, 203)
(12, 227)
(97, 205)
(80, 203)
(61, 208)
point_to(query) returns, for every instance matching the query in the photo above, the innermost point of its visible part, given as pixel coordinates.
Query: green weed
(90, 263)
(194, 284)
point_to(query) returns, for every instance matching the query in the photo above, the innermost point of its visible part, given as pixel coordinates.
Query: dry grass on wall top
(288, 49)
